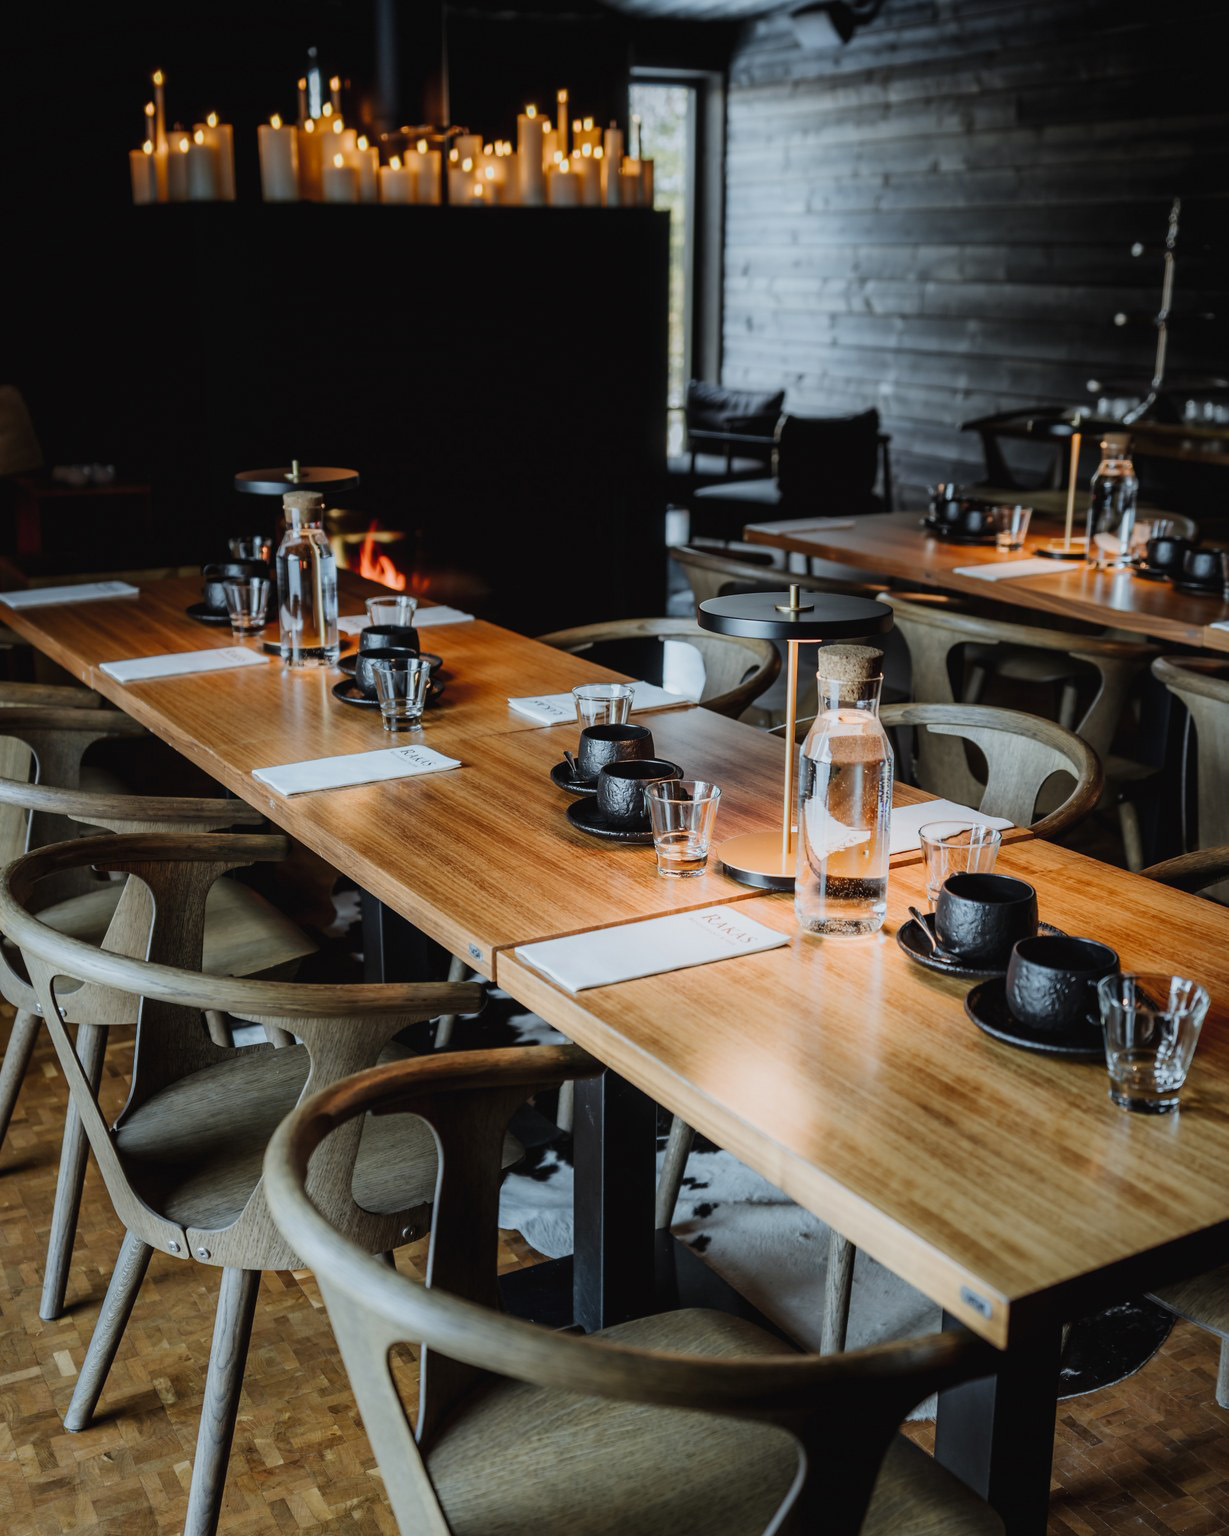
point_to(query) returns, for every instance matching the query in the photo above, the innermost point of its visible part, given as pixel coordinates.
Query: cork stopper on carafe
(303, 506)
(849, 663)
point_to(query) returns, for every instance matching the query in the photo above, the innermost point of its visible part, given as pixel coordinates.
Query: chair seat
(1024, 665)
(761, 494)
(707, 468)
(1204, 1300)
(527, 1461)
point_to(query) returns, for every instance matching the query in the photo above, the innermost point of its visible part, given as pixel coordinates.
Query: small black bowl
(621, 787)
(1202, 567)
(603, 744)
(1052, 982)
(980, 917)
(399, 636)
(364, 676)
(1167, 552)
(216, 577)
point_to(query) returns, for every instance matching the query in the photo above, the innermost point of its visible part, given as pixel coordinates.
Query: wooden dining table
(1003, 1184)
(898, 546)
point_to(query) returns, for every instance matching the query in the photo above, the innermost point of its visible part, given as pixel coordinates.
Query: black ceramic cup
(364, 676)
(603, 744)
(400, 636)
(1052, 981)
(1202, 566)
(980, 917)
(1167, 552)
(975, 519)
(621, 787)
(216, 577)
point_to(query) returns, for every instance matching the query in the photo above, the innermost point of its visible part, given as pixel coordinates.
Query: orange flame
(378, 567)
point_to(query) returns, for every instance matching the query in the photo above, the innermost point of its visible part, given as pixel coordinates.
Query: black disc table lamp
(766, 858)
(295, 477)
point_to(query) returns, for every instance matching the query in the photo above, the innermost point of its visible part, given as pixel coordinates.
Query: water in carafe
(1112, 498)
(307, 585)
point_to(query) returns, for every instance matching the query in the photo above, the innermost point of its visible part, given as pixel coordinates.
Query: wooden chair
(1203, 1299)
(244, 934)
(686, 1423)
(1201, 684)
(935, 632)
(182, 1164)
(736, 670)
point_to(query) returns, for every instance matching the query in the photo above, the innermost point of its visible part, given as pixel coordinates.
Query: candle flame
(467, 164)
(212, 119)
(422, 146)
(558, 156)
(490, 173)
(338, 125)
(159, 77)
(488, 149)
(531, 110)
(479, 189)
(335, 83)
(199, 136)
(327, 109)
(362, 141)
(148, 147)
(339, 161)
(309, 126)
(586, 150)
(598, 151)
(149, 109)
(275, 121)
(454, 154)
(588, 124)
(183, 146)
(394, 162)
(561, 97)
(563, 167)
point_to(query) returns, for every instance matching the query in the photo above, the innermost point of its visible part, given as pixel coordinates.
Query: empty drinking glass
(394, 608)
(251, 546)
(401, 687)
(956, 848)
(683, 813)
(247, 602)
(1011, 524)
(603, 703)
(1152, 1026)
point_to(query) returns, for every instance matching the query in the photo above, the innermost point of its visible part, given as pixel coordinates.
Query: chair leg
(1068, 701)
(74, 1152)
(1222, 1375)
(565, 1110)
(457, 971)
(1132, 836)
(232, 1331)
(837, 1289)
(974, 683)
(16, 1059)
(678, 1150)
(117, 1305)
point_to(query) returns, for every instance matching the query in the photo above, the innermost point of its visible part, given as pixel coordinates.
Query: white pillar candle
(629, 183)
(177, 168)
(587, 133)
(335, 93)
(279, 161)
(468, 146)
(151, 124)
(222, 137)
(530, 132)
(550, 148)
(612, 159)
(302, 100)
(562, 188)
(339, 180)
(160, 138)
(425, 164)
(588, 173)
(397, 182)
(144, 172)
(311, 161)
(202, 169)
(341, 138)
(460, 180)
(366, 161)
(561, 124)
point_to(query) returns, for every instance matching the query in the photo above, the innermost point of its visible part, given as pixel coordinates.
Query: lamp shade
(795, 615)
(306, 477)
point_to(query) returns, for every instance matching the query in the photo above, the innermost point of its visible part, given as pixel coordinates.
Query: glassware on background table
(401, 687)
(1011, 527)
(247, 602)
(307, 585)
(1111, 506)
(844, 799)
(1152, 1026)
(251, 546)
(683, 813)
(395, 608)
(956, 848)
(603, 703)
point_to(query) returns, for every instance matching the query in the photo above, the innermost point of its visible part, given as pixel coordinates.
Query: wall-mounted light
(814, 24)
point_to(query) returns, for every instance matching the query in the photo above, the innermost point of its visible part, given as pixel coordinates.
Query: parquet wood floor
(1148, 1457)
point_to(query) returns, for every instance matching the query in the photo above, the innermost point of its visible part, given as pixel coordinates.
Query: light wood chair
(685, 1423)
(938, 634)
(1201, 684)
(182, 1164)
(244, 934)
(736, 670)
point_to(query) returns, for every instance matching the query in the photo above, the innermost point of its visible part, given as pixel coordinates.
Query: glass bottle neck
(835, 694)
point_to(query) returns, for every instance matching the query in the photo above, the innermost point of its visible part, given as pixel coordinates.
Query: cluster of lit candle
(181, 166)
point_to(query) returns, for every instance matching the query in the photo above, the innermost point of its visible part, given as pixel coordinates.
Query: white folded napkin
(424, 618)
(556, 708)
(354, 768)
(182, 663)
(1005, 570)
(86, 592)
(907, 819)
(1220, 624)
(647, 949)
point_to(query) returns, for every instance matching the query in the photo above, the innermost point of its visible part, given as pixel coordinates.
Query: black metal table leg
(394, 950)
(997, 1434)
(614, 1151)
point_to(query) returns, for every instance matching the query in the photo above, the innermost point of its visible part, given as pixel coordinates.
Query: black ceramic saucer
(203, 614)
(348, 663)
(1199, 588)
(955, 535)
(585, 817)
(347, 692)
(1151, 573)
(987, 1006)
(561, 778)
(915, 946)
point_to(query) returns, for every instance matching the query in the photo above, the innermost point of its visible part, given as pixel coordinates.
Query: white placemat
(1220, 624)
(354, 768)
(182, 664)
(1008, 570)
(424, 618)
(86, 592)
(556, 708)
(647, 949)
(907, 819)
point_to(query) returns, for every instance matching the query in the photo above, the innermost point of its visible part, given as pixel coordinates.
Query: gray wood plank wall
(937, 218)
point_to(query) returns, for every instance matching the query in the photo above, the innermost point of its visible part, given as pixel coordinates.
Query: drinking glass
(395, 608)
(246, 602)
(401, 687)
(251, 546)
(683, 813)
(956, 848)
(603, 703)
(1152, 1026)
(1012, 527)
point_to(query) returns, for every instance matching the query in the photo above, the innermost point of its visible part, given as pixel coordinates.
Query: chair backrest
(713, 574)
(828, 460)
(1021, 753)
(1202, 685)
(1200, 872)
(152, 951)
(736, 670)
(714, 408)
(843, 1410)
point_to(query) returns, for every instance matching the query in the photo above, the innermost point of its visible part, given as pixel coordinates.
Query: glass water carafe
(1111, 505)
(307, 585)
(844, 800)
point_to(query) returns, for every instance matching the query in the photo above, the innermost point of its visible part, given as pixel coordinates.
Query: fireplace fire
(375, 565)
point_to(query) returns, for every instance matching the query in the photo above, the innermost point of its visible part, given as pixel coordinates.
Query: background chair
(686, 1423)
(1201, 685)
(182, 1164)
(729, 436)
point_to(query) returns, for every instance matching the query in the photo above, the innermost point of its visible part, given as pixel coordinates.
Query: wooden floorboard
(1150, 1456)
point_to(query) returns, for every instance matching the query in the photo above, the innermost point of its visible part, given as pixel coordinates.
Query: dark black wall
(937, 217)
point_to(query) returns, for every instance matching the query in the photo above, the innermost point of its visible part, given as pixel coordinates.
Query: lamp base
(755, 859)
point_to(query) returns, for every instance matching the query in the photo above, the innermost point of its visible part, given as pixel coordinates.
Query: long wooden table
(898, 546)
(1004, 1185)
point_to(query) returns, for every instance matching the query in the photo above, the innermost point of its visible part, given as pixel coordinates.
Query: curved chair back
(1201, 683)
(152, 952)
(1194, 872)
(736, 670)
(843, 1411)
(1021, 753)
(713, 574)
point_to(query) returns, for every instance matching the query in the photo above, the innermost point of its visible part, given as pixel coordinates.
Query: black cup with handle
(1203, 568)
(980, 917)
(604, 744)
(401, 636)
(1167, 552)
(1052, 981)
(621, 787)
